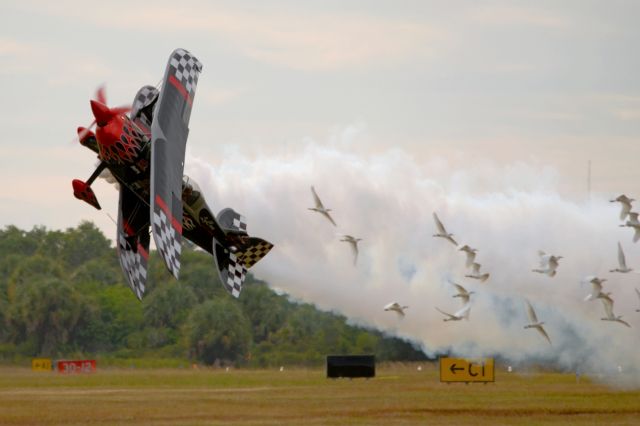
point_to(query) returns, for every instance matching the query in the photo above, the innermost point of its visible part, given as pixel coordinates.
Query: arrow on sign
(454, 368)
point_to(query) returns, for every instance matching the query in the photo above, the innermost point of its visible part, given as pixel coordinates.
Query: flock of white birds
(548, 266)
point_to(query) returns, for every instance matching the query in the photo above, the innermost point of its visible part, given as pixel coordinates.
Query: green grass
(398, 395)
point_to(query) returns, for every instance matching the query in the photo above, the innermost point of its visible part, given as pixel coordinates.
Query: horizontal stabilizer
(232, 267)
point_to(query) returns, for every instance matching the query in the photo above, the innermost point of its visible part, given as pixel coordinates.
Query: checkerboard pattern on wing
(186, 68)
(168, 241)
(144, 97)
(134, 265)
(253, 254)
(236, 273)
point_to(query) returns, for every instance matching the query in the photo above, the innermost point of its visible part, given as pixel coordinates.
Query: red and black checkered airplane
(145, 152)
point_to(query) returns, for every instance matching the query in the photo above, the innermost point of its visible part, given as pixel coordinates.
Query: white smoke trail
(508, 213)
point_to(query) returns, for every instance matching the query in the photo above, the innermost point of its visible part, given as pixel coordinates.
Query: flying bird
(622, 264)
(471, 254)
(548, 264)
(633, 220)
(638, 293)
(461, 314)
(534, 323)
(476, 275)
(353, 242)
(396, 307)
(442, 232)
(596, 287)
(625, 202)
(607, 302)
(463, 294)
(636, 228)
(319, 207)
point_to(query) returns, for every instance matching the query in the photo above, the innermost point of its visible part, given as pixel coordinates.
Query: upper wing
(439, 224)
(316, 199)
(531, 313)
(169, 132)
(608, 306)
(621, 260)
(133, 240)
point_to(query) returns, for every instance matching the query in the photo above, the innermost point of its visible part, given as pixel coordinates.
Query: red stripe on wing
(181, 89)
(177, 225)
(143, 252)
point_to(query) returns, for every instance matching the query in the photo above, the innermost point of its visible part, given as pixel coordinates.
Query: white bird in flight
(607, 302)
(596, 287)
(534, 323)
(638, 293)
(320, 208)
(476, 275)
(396, 307)
(471, 254)
(622, 263)
(442, 232)
(461, 314)
(634, 223)
(463, 294)
(549, 262)
(625, 202)
(633, 220)
(353, 242)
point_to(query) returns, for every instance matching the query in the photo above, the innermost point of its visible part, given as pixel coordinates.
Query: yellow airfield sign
(466, 370)
(41, 364)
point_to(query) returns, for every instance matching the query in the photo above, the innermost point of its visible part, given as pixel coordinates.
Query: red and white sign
(83, 366)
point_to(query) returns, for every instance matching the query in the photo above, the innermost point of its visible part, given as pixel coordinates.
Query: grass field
(398, 395)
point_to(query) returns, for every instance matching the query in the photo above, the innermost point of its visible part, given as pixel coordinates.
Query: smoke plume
(507, 212)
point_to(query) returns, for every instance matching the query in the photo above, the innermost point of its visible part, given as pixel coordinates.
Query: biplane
(143, 147)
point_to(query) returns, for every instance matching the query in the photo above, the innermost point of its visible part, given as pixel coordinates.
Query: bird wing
(463, 312)
(328, 216)
(354, 250)
(439, 224)
(626, 208)
(476, 267)
(531, 313)
(461, 290)
(471, 257)
(543, 332)
(638, 292)
(454, 242)
(621, 321)
(596, 287)
(607, 302)
(621, 260)
(445, 313)
(316, 199)
(553, 263)
(391, 305)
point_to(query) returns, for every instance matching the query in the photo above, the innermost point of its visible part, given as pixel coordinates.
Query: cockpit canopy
(190, 190)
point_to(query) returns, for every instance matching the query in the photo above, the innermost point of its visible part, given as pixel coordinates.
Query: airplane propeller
(101, 97)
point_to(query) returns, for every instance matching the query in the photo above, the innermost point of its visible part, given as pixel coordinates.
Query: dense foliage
(63, 294)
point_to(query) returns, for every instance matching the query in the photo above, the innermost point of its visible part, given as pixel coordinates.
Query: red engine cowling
(82, 191)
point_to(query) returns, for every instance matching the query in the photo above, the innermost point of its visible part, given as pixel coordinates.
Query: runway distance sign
(466, 370)
(83, 366)
(41, 364)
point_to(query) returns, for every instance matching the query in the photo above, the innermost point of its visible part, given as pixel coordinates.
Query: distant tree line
(62, 294)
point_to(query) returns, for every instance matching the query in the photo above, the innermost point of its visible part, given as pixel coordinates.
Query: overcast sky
(548, 84)
(484, 111)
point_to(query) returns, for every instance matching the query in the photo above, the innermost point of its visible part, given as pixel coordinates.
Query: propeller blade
(101, 95)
